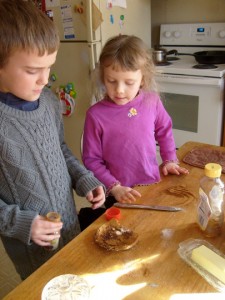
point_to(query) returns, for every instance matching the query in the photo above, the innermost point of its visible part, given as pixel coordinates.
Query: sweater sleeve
(16, 223)
(92, 151)
(164, 134)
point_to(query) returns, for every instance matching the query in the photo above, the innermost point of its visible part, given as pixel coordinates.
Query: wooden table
(152, 269)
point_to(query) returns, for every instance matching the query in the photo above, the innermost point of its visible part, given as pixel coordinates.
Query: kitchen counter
(152, 269)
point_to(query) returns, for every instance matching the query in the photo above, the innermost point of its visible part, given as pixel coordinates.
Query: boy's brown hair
(24, 27)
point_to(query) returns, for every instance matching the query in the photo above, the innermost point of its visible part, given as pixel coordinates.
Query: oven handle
(184, 79)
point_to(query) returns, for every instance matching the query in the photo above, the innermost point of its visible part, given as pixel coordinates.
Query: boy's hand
(43, 231)
(96, 197)
(124, 194)
(173, 168)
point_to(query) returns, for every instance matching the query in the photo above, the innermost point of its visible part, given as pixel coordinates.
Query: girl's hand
(173, 168)
(96, 197)
(43, 231)
(124, 194)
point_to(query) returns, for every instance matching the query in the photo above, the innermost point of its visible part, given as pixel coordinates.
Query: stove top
(185, 66)
(204, 66)
(191, 38)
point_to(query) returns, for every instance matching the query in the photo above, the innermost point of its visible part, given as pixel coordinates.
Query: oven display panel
(201, 29)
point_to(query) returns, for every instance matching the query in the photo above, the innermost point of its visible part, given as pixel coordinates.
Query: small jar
(210, 211)
(53, 217)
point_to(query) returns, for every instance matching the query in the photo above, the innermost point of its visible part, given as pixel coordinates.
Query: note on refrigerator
(67, 21)
(120, 3)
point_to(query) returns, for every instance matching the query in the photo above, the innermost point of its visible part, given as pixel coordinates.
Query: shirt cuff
(176, 161)
(111, 186)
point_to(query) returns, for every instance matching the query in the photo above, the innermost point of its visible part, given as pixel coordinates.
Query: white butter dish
(185, 252)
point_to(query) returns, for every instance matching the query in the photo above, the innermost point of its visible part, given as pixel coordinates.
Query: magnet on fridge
(70, 86)
(73, 94)
(111, 19)
(79, 9)
(121, 24)
(67, 95)
(70, 105)
(52, 79)
(109, 4)
(49, 13)
(67, 103)
(121, 21)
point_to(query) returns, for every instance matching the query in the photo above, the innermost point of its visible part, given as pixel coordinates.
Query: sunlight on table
(198, 296)
(105, 284)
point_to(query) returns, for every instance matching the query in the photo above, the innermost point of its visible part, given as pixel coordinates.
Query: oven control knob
(222, 33)
(167, 34)
(176, 34)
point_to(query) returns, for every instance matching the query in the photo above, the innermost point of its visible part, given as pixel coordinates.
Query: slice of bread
(113, 236)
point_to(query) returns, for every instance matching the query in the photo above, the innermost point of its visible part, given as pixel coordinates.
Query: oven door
(195, 105)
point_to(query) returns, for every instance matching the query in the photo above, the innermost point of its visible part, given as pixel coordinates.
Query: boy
(37, 170)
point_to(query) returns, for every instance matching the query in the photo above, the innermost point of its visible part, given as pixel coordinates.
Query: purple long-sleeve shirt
(119, 142)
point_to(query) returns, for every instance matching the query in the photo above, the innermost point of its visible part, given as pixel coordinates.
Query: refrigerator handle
(89, 21)
(90, 39)
(91, 56)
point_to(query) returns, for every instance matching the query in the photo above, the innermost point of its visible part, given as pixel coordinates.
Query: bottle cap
(213, 170)
(112, 213)
(53, 216)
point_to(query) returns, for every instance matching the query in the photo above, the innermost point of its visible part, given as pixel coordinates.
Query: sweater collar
(18, 103)
(45, 100)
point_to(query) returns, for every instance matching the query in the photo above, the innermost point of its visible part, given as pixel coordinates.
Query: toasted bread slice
(113, 236)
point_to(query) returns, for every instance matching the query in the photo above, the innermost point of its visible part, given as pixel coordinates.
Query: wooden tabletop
(152, 269)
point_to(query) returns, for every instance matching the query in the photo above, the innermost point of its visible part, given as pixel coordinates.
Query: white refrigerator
(84, 27)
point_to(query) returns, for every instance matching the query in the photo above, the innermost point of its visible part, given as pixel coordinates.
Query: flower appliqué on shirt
(132, 112)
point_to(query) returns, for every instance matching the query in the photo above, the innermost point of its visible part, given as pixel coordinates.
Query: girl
(121, 131)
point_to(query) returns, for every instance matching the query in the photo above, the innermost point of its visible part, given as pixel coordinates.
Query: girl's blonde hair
(128, 53)
(24, 27)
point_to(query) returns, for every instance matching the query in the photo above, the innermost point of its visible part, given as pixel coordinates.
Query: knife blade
(151, 207)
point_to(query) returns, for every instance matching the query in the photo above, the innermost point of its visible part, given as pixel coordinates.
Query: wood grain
(152, 269)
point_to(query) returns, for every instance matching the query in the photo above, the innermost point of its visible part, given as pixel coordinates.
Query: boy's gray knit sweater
(37, 174)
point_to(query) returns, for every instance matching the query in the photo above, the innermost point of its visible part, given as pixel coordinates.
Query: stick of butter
(210, 261)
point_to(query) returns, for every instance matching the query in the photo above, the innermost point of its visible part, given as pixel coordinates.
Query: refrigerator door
(72, 65)
(70, 23)
(74, 20)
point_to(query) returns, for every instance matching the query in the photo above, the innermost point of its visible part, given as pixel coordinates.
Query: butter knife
(151, 207)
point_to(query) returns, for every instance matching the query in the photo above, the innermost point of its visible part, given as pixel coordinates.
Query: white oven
(196, 107)
(193, 97)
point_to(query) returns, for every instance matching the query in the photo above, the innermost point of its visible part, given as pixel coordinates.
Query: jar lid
(213, 170)
(53, 216)
(113, 213)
